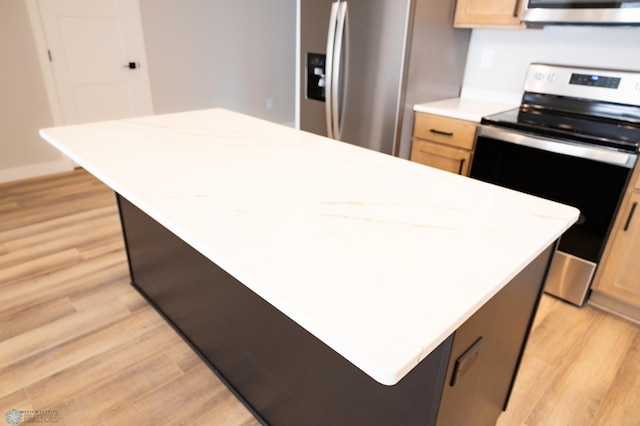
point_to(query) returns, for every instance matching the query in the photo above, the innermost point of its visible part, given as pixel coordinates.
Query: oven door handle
(565, 147)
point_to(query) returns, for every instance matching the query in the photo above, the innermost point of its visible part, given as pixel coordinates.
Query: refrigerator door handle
(331, 38)
(337, 72)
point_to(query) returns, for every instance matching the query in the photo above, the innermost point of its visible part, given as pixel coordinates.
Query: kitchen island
(325, 283)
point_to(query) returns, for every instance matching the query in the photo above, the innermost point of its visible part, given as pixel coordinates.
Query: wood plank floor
(76, 338)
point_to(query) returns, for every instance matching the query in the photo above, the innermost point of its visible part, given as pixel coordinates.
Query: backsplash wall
(498, 58)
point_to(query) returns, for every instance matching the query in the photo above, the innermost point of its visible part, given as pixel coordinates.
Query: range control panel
(595, 80)
(617, 86)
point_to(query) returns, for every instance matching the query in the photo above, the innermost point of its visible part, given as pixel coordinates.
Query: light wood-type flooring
(76, 338)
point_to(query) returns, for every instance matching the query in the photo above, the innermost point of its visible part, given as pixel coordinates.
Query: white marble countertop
(378, 257)
(470, 109)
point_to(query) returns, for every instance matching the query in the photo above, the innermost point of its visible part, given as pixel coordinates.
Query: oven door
(590, 178)
(623, 12)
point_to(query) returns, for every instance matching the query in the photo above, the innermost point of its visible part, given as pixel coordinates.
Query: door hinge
(49, 53)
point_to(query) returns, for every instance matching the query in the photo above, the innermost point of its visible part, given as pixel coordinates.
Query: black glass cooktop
(610, 125)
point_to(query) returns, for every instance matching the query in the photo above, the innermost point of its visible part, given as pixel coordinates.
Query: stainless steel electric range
(574, 139)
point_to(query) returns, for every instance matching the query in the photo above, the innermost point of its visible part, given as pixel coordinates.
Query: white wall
(24, 106)
(202, 53)
(498, 59)
(238, 55)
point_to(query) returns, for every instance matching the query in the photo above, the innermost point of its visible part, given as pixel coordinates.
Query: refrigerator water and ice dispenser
(315, 76)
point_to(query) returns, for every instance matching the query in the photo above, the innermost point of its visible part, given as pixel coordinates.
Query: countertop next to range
(378, 257)
(470, 108)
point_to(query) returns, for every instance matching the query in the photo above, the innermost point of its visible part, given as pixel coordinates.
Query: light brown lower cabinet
(443, 157)
(617, 283)
(444, 143)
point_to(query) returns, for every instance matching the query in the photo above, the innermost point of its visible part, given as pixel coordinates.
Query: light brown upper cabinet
(489, 13)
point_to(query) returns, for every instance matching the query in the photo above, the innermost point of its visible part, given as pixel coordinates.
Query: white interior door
(98, 58)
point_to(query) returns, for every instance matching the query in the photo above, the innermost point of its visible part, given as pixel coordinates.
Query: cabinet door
(488, 13)
(620, 277)
(443, 157)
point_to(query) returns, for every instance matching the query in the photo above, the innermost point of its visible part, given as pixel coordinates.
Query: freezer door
(368, 91)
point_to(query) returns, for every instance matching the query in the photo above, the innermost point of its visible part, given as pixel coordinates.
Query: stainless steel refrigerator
(363, 64)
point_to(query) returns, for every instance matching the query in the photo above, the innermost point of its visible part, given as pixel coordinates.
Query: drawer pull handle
(440, 132)
(466, 361)
(633, 209)
(516, 9)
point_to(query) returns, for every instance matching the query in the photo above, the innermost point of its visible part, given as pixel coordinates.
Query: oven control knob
(552, 78)
(539, 76)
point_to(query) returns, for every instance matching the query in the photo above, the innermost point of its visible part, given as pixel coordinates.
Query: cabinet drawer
(449, 131)
(442, 157)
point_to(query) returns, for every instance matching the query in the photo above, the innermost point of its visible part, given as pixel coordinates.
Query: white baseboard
(35, 170)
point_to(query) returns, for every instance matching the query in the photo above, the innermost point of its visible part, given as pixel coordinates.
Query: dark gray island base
(286, 376)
